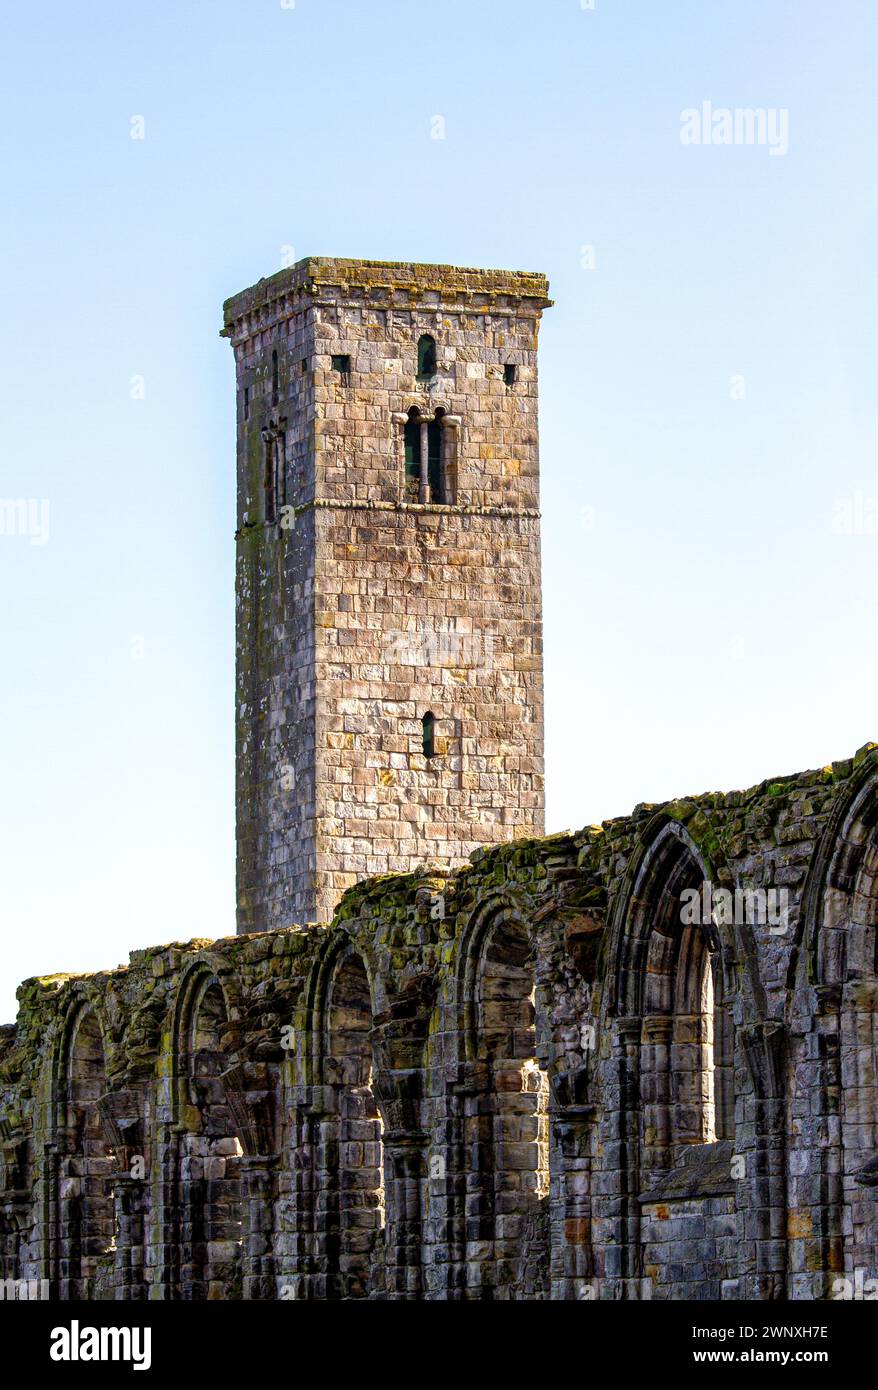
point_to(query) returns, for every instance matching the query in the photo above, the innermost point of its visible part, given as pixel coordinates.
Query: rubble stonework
(369, 598)
(529, 1077)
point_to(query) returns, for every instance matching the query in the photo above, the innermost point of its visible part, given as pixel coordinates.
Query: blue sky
(708, 393)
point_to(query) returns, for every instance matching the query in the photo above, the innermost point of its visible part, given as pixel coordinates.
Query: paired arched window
(429, 466)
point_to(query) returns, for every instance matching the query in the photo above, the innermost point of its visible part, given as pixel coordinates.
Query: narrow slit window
(246, 402)
(275, 379)
(510, 374)
(270, 477)
(428, 726)
(426, 356)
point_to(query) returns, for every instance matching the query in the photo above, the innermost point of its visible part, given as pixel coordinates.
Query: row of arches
(766, 1090)
(104, 1181)
(355, 1126)
(386, 1186)
(516, 1126)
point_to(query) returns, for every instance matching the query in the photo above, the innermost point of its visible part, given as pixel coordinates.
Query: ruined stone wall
(551, 1073)
(369, 599)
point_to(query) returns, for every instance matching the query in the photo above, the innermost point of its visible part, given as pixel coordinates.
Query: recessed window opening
(413, 456)
(426, 356)
(270, 481)
(341, 363)
(246, 402)
(510, 374)
(430, 457)
(434, 459)
(428, 727)
(275, 379)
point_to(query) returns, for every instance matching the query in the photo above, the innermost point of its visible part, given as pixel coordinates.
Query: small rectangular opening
(510, 374)
(341, 363)
(246, 402)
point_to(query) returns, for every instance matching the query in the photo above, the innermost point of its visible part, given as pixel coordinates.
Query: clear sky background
(707, 622)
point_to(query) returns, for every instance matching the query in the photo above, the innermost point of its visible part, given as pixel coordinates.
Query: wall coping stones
(395, 284)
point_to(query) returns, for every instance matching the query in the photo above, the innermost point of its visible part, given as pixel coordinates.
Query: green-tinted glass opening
(428, 724)
(434, 461)
(426, 355)
(412, 435)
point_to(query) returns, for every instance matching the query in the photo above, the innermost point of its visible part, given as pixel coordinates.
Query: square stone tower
(389, 644)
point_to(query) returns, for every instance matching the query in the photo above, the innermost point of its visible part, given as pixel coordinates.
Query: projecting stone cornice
(324, 281)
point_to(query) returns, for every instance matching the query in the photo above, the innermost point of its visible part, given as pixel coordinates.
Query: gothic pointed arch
(85, 1203)
(345, 1124)
(210, 1147)
(672, 965)
(836, 938)
(500, 1151)
(832, 1013)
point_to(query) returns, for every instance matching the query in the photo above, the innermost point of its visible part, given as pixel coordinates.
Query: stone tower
(389, 647)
